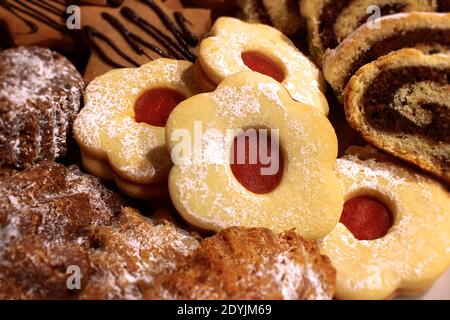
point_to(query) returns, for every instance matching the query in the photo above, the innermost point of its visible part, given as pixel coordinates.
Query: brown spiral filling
(332, 10)
(378, 102)
(408, 39)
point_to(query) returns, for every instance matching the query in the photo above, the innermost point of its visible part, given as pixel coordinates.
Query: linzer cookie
(40, 94)
(331, 21)
(429, 32)
(138, 32)
(283, 14)
(241, 263)
(221, 183)
(400, 103)
(38, 22)
(121, 129)
(394, 234)
(234, 46)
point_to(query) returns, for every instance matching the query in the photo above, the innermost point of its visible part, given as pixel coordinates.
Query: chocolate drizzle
(51, 13)
(176, 43)
(378, 103)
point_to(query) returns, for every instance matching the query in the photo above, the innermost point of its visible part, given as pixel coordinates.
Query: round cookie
(209, 194)
(425, 31)
(121, 129)
(400, 103)
(40, 94)
(235, 46)
(407, 257)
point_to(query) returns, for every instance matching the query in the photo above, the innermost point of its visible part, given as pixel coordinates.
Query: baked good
(400, 103)
(234, 46)
(40, 93)
(281, 14)
(138, 32)
(218, 7)
(121, 130)
(45, 215)
(54, 218)
(282, 158)
(39, 23)
(429, 32)
(240, 263)
(130, 252)
(409, 251)
(331, 21)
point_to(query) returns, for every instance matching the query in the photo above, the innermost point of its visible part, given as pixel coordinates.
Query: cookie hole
(367, 217)
(257, 161)
(261, 63)
(155, 105)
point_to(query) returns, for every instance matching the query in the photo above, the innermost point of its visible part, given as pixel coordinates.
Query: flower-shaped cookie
(212, 192)
(121, 129)
(412, 252)
(235, 46)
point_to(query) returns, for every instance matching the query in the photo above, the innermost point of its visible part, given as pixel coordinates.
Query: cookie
(429, 32)
(40, 93)
(218, 7)
(234, 46)
(121, 129)
(138, 32)
(46, 212)
(400, 104)
(244, 264)
(260, 159)
(330, 21)
(131, 252)
(40, 23)
(282, 14)
(394, 234)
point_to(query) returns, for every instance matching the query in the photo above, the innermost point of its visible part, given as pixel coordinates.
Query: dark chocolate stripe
(379, 95)
(7, 6)
(444, 5)
(263, 14)
(408, 39)
(51, 7)
(181, 20)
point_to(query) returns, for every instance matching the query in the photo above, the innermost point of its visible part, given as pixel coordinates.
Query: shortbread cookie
(218, 7)
(331, 21)
(46, 213)
(281, 14)
(40, 94)
(131, 252)
(295, 188)
(138, 32)
(121, 129)
(401, 103)
(407, 216)
(255, 264)
(235, 46)
(429, 32)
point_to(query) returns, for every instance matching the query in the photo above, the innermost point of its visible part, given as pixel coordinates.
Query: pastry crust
(220, 57)
(346, 17)
(114, 145)
(430, 155)
(342, 63)
(240, 263)
(205, 191)
(414, 252)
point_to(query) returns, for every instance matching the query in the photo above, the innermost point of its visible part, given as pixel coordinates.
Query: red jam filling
(263, 64)
(249, 171)
(367, 218)
(155, 105)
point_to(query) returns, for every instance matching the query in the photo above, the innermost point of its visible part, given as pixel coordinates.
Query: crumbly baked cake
(331, 21)
(400, 103)
(425, 31)
(40, 93)
(240, 263)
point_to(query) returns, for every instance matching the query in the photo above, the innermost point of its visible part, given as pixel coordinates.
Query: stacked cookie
(226, 134)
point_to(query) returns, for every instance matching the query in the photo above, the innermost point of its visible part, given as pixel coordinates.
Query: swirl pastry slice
(425, 31)
(331, 21)
(401, 103)
(240, 263)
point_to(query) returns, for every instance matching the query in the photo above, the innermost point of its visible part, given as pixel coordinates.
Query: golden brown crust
(240, 263)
